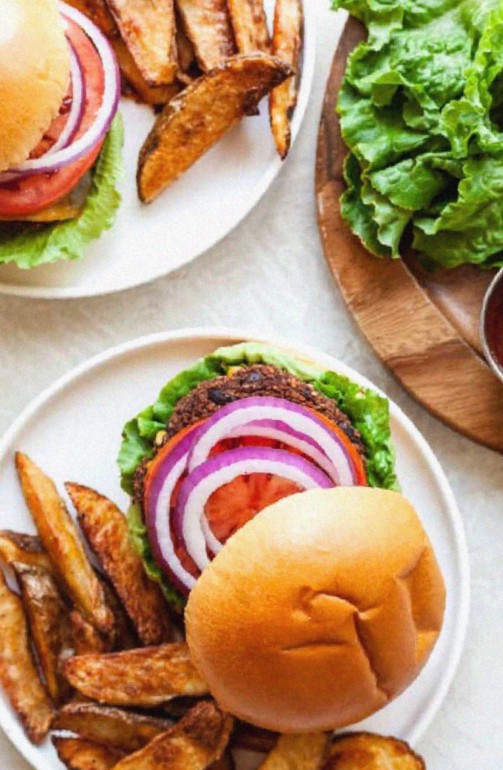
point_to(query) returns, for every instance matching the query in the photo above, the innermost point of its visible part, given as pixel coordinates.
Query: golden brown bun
(318, 611)
(34, 74)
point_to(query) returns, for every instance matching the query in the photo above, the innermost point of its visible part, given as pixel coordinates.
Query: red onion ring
(294, 420)
(221, 469)
(49, 163)
(78, 104)
(158, 513)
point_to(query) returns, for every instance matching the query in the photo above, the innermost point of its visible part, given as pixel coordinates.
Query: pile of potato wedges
(90, 655)
(205, 64)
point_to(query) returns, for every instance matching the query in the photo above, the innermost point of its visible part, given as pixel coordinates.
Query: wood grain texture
(423, 326)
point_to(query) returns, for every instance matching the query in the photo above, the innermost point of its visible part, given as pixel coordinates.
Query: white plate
(190, 217)
(73, 430)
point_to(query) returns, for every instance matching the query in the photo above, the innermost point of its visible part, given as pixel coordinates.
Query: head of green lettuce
(367, 410)
(28, 245)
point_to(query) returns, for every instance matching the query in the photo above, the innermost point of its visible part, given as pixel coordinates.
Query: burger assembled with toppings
(60, 137)
(264, 495)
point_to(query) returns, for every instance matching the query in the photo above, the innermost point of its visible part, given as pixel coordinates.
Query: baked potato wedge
(198, 740)
(86, 639)
(304, 751)
(249, 23)
(61, 542)
(25, 549)
(361, 751)
(145, 677)
(106, 530)
(124, 636)
(287, 43)
(80, 754)
(124, 730)
(207, 25)
(18, 673)
(148, 30)
(155, 96)
(49, 625)
(198, 117)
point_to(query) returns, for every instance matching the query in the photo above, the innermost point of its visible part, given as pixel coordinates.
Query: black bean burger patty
(257, 380)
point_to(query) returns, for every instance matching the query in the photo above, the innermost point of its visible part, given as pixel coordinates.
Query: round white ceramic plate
(188, 218)
(73, 431)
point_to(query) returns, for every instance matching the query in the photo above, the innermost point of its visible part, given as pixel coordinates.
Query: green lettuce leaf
(421, 111)
(368, 411)
(31, 246)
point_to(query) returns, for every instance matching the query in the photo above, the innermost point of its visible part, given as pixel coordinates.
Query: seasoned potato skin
(359, 751)
(208, 27)
(18, 673)
(250, 25)
(80, 754)
(148, 676)
(197, 118)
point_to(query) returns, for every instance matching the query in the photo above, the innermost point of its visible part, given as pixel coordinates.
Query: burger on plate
(60, 139)
(264, 494)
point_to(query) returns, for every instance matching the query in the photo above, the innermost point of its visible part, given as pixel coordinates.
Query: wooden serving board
(424, 327)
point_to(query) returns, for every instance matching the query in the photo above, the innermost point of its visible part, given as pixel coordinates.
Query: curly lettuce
(368, 411)
(31, 245)
(421, 111)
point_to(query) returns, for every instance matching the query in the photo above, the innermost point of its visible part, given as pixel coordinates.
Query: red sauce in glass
(494, 324)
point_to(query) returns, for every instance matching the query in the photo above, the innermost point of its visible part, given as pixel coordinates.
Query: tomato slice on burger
(32, 194)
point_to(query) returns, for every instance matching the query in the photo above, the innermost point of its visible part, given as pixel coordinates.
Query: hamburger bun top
(319, 611)
(34, 74)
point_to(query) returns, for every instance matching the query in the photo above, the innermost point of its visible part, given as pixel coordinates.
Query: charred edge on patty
(258, 380)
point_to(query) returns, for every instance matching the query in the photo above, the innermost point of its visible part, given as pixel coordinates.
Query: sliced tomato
(235, 503)
(35, 193)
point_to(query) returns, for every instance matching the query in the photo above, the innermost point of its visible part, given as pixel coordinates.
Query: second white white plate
(73, 431)
(190, 217)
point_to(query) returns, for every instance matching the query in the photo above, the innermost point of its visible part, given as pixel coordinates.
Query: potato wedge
(148, 29)
(61, 541)
(123, 730)
(249, 23)
(198, 740)
(360, 751)
(79, 754)
(26, 549)
(124, 636)
(18, 673)
(252, 738)
(198, 117)
(297, 752)
(107, 533)
(155, 96)
(145, 677)
(49, 625)
(86, 639)
(287, 44)
(207, 24)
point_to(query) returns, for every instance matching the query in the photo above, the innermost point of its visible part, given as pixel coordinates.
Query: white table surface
(270, 275)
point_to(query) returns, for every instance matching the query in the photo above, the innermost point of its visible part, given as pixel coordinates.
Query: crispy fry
(124, 636)
(360, 751)
(49, 624)
(18, 674)
(145, 677)
(148, 29)
(297, 752)
(207, 25)
(193, 121)
(79, 754)
(251, 738)
(106, 531)
(86, 639)
(287, 44)
(197, 741)
(26, 549)
(155, 96)
(123, 730)
(59, 537)
(250, 25)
